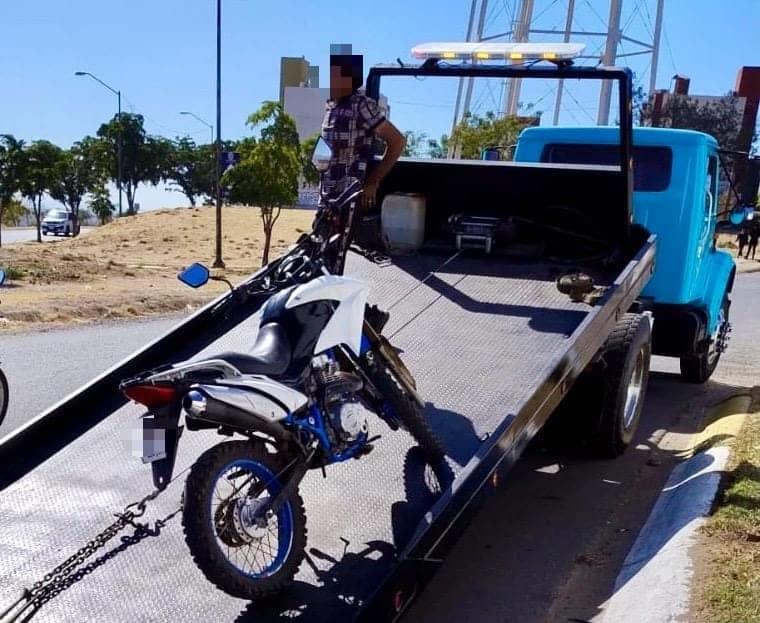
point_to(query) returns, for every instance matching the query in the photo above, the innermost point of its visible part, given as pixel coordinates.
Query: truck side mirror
(739, 214)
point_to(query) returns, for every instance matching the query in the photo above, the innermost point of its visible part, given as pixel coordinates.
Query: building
(307, 106)
(297, 72)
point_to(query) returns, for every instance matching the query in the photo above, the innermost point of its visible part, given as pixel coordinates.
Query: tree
(78, 171)
(308, 170)
(414, 142)
(13, 212)
(267, 175)
(720, 118)
(10, 174)
(474, 133)
(191, 168)
(38, 175)
(438, 148)
(145, 159)
(101, 205)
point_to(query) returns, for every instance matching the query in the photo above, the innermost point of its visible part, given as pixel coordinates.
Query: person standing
(742, 239)
(352, 123)
(754, 234)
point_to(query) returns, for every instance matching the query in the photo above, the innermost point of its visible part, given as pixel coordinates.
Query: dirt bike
(301, 399)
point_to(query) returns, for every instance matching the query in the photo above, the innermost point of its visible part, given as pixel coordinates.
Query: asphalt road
(548, 544)
(45, 366)
(24, 234)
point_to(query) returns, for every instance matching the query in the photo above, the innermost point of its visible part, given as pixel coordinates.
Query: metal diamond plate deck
(479, 335)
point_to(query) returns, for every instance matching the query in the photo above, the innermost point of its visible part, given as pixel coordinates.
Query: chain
(71, 570)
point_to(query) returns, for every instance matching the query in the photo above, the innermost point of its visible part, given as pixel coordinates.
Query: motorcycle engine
(349, 417)
(345, 412)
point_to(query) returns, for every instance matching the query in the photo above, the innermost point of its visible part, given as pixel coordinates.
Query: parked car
(58, 221)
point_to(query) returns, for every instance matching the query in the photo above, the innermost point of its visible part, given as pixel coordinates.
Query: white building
(307, 106)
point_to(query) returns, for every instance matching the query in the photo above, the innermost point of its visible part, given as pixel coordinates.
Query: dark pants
(327, 224)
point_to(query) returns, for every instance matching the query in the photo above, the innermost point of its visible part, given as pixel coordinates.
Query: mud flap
(166, 429)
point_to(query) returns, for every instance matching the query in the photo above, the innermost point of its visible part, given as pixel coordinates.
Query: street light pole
(211, 128)
(218, 263)
(119, 139)
(206, 123)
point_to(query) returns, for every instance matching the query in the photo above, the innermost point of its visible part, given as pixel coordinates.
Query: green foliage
(11, 155)
(474, 133)
(13, 273)
(145, 159)
(438, 148)
(78, 171)
(308, 170)
(191, 168)
(101, 206)
(12, 212)
(414, 143)
(38, 175)
(267, 175)
(719, 118)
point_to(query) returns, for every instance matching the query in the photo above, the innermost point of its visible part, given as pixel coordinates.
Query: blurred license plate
(149, 440)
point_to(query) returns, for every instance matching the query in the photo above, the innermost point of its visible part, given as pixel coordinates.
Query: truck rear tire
(699, 368)
(626, 358)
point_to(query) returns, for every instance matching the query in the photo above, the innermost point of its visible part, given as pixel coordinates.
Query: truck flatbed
(493, 345)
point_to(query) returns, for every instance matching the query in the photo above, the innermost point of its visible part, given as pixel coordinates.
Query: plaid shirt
(348, 127)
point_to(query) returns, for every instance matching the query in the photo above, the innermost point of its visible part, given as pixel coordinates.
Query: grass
(729, 589)
(128, 268)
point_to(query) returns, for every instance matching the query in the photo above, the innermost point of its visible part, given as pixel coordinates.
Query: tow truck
(526, 281)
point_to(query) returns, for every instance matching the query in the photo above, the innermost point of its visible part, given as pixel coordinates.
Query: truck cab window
(651, 165)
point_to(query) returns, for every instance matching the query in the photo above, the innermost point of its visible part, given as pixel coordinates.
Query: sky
(161, 55)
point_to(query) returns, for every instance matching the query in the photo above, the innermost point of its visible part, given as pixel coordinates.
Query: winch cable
(422, 282)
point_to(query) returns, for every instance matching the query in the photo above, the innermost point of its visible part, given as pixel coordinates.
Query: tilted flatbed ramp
(492, 345)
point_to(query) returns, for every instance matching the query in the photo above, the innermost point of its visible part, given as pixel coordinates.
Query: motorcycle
(300, 399)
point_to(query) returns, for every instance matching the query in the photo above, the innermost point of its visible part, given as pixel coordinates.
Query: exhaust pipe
(206, 412)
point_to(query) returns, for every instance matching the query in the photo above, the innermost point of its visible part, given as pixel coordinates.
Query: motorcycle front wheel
(404, 409)
(244, 554)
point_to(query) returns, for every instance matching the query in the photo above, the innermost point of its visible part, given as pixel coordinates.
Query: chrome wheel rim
(633, 393)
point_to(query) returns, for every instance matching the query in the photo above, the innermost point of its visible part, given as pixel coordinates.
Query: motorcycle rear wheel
(244, 557)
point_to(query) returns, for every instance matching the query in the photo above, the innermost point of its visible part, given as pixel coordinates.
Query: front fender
(721, 271)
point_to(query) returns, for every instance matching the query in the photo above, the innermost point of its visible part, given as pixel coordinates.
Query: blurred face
(341, 83)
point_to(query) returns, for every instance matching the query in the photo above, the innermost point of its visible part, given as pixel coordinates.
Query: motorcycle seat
(270, 356)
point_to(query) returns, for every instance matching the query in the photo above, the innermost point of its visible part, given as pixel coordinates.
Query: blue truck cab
(675, 196)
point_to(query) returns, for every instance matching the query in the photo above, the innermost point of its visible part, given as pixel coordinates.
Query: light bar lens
(477, 51)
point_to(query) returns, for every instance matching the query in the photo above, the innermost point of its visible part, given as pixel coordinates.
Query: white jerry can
(402, 220)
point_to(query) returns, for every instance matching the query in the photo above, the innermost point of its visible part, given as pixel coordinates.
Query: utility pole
(566, 38)
(218, 263)
(656, 45)
(521, 34)
(461, 80)
(608, 59)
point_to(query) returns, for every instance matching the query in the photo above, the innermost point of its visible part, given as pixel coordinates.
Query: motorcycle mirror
(195, 275)
(2, 276)
(321, 155)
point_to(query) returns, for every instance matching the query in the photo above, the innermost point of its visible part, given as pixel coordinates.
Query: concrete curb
(654, 583)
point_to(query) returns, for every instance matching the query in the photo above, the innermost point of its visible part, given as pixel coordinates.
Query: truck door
(706, 239)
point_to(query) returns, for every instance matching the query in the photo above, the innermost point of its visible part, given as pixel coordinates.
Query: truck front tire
(699, 368)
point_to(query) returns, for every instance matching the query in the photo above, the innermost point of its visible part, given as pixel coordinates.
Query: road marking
(655, 581)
